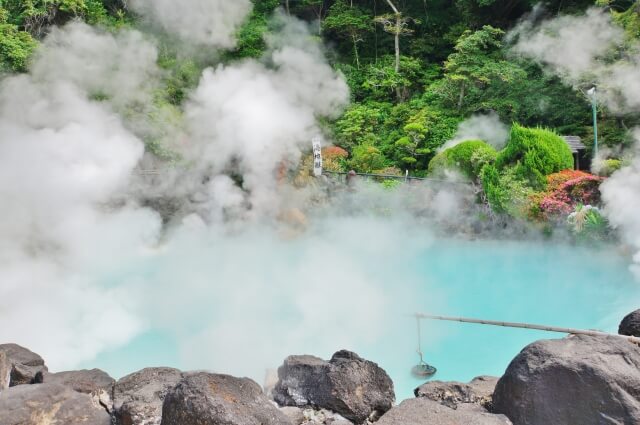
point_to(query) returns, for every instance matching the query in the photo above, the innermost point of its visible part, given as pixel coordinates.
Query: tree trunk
(397, 41)
(397, 32)
(461, 98)
(286, 6)
(355, 50)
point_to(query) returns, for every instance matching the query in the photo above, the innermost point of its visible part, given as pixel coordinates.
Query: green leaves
(535, 153)
(467, 157)
(16, 47)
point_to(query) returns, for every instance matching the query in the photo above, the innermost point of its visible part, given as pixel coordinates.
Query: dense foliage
(534, 153)
(468, 157)
(416, 70)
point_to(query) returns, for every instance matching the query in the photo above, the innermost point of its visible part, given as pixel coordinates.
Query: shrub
(334, 158)
(610, 166)
(588, 223)
(16, 47)
(367, 158)
(568, 189)
(468, 157)
(535, 153)
(506, 192)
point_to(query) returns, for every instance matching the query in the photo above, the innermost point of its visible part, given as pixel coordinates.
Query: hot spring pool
(548, 284)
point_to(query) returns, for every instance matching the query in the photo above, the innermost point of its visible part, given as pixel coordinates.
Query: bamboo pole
(572, 331)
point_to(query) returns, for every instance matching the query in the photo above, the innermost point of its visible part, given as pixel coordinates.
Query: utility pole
(594, 106)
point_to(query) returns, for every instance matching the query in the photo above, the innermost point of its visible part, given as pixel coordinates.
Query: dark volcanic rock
(347, 384)
(137, 398)
(211, 399)
(49, 404)
(95, 383)
(422, 411)
(479, 391)
(581, 379)
(630, 325)
(26, 366)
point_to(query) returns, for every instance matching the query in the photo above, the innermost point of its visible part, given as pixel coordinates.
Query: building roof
(575, 143)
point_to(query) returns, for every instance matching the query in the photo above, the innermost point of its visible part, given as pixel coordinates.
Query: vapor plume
(206, 22)
(588, 51)
(486, 127)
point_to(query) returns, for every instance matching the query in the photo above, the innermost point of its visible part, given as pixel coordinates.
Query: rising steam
(583, 50)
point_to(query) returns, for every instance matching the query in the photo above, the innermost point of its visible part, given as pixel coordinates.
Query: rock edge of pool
(579, 379)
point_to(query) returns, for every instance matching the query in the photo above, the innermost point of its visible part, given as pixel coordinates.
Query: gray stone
(137, 398)
(581, 379)
(422, 411)
(212, 399)
(323, 417)
(46, 404)
(479, 391)
(353, 387)
(5, 371)
(295, 414)
(95, 383)
(26, 366)
(630, 325)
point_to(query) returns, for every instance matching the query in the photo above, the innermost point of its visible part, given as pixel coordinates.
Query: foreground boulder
(479, 391)
(137, 398)
(49, 404)
(26, 366)
(422, 411)
(630, 325)
(581, 379)
(95, 383)
(210, 399)
(347, 384)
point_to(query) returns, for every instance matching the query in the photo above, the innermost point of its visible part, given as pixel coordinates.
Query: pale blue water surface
(550, 284)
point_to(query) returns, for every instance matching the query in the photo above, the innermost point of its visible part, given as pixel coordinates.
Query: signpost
(317, 156)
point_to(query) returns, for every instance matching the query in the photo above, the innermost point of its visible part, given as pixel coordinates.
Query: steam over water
(338, 288)
(91, 276)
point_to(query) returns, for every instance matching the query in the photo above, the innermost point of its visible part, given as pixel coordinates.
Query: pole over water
(572, 331)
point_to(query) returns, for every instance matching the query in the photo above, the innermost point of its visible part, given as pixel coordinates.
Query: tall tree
(353, 22)
(397, 24)
(477, 63)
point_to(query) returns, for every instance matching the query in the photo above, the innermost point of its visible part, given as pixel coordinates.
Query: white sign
(317, 156)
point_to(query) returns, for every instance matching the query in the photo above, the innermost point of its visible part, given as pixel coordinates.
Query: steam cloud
(580, 50)
(487, 127)
(206, 22)
(93, 268)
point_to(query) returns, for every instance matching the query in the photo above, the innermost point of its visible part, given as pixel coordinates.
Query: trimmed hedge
(535, 153)
(468, 157)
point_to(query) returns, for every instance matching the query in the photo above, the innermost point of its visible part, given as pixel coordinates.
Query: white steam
(486, 127)
(206, 22)
(621, 193)
(582, 51)
(263, 116)
(85, 268)
(62, 157)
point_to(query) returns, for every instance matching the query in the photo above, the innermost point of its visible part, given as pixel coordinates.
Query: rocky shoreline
(576, 380)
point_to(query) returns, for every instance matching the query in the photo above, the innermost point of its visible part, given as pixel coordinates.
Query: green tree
(398, 25)
(477, 63)
(16, 46)
(351, 21)
(367, 159)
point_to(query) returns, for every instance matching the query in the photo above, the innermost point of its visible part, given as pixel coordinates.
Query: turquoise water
(548, 284)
